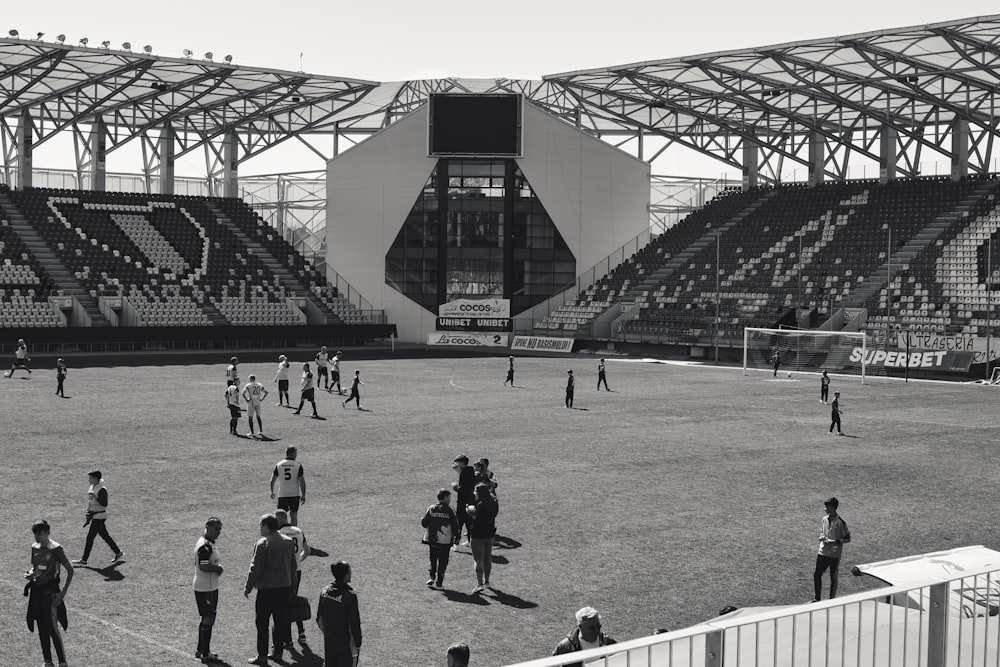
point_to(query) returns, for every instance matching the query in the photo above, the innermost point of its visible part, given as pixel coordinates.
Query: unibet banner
(493, 308)
(938, 360)
(464, 339)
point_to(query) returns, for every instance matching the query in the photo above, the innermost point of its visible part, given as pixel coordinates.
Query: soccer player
(355, 395)
(254, 394)
(570, 386)
(335, 374)
(307, 391)
(776, 361)
(291, 481)
(97, 516)
(298, 538)
(835, 413)
(602, 376)
(824, 387)
(833, 534)
(281, 377)
(442, 531)
(232, 372)
(510, 372)
(21, 358)
(206, 586)
(233, 403)
(322, 368)
(45, 600)
(60, 376)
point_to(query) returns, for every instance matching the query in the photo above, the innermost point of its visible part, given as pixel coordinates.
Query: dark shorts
(308, 394)
(229, 383)
(18, 363)
(283, 385)
(208, 602)
(322, 371)
(290, 503)
(234, 411)
(335, 376)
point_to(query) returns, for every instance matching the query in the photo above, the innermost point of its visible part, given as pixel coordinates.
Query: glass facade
(476, 231)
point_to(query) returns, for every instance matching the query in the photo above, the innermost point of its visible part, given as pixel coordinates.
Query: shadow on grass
(580, 409)
(501, 542)
(499, 560)
(848, 435)
(467, 598)
(322, 419)
(267, 438)
(511, 600)
(303, 656)
(109, 572)
(319, 553)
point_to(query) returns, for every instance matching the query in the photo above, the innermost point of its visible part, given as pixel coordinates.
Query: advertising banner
(542, 344)
(473, 324)
(463, 339)
(489, 308)
(938, 360)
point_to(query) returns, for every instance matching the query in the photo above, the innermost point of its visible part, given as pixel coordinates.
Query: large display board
(475, 125)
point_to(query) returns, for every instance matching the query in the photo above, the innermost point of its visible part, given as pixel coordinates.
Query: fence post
(713, 648)
(937, 626)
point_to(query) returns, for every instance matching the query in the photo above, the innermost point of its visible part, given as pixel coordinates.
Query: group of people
(254, 393)
(602, 378)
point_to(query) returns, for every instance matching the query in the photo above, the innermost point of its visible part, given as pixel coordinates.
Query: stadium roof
(844, 90)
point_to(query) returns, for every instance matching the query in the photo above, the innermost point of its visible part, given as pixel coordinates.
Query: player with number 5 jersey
(288, 485)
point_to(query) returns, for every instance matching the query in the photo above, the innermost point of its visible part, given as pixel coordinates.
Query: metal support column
(230, 170)
(25, 141)
(959, 149)
(751, 164)
(98, 155)
(817, 157)
(888, 154)
(167, 146)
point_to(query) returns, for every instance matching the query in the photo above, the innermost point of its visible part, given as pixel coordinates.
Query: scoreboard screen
(475, 125)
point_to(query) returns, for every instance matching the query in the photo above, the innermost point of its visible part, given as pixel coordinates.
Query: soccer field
(683, 490)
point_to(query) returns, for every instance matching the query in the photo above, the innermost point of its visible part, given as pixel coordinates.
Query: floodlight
(84, 41)
(127, 46)
(147, 48)
(13, 33)
(208, 55)
(228, 58)
(60, 38)
(106, 43)
(40, 35)
(188, 53)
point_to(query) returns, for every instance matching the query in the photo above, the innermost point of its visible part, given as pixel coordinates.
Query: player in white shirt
(233, 404)
(254, 394)
(291, 484)
(206, 586)
(232, 372)
(335, 373)
(298, 538)
(20, 358)
(322, 368)
(281, 377)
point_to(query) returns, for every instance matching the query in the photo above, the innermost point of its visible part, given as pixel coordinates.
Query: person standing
(355, 394)
(207, 571)
(97, 516)
(776, 361)
(21, 358)
(323, 368)
(45, 599)
(298, 538)
(484, 475)
(233, 403)
(281, 377)
(291, 479)
(254, 394)
(335, 374)
(458, 655)
(835, 413)
(338, 617)
(510, 371)
(484, 528)
(465, 488)
(570, 386)
(232, 372)
(586, 635)
(833, 535)
(441, 531)
(602, 376)
(60, 376)
(272, 573)
(824, 387)
(308, 391)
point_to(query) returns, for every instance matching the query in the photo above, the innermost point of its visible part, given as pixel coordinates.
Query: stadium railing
(952, 622)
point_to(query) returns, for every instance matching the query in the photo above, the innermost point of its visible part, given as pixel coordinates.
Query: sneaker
(477, 590)
(278, 405)
(206, 656)
(343, 405)
(430, 583)
(48, 663)
(79, 561)
(119, 558)
(440, 585)
(302, 638)
(487, 585)
(259, 660)
(297, 412)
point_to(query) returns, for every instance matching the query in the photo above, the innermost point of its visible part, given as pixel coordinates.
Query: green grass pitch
(683, 490)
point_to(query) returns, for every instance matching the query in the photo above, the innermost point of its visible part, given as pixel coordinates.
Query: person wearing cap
(602, 376)
(254, 394)
(290, 477)
(60, 376)
(335, 373)
(232, 372)
(21, 358)
(322, 368)
(233, 405)
(298, 538)
(272, 573)
(586, 635)
(458, 655)
(207, 571)
(570, 386)
(835, 413)
(338, 617)
(45, 599)
(307, 391)
(355, 394)
(441, 532)
(465, 488)
(833, 535)
(97, 516)
(281, 377)
(510, 371)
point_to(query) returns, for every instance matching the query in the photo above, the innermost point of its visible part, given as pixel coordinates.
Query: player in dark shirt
(824, 387)
(776, 361)
(835, 413)
(355, 395)
(602, 376)
(510, 372)
(570, 385)
(60, 377)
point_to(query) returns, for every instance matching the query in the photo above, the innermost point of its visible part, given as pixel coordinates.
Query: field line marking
(451, 381)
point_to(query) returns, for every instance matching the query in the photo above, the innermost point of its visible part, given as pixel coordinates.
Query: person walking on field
(510, 372)
(833, 535)
(323, 368)
(776, 361)
(97, 516)
(602, 376)
(835, 413)
(824, 387)
(302, 551)
(338, 617)
(355, 395)
(441, 531)
(308, 391)
(482, 532)
(290, 477)
(335, 374)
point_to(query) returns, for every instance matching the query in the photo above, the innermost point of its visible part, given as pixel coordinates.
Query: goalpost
(839, 352)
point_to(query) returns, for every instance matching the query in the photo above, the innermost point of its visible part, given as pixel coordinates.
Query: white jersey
(307, 381)
(232, 375)
(288, 472)
(322, 359)
(205, 553)
(22, 352)
(233, 395)
(282, 373)
(254, 393)
(298, 538)
(336, 364)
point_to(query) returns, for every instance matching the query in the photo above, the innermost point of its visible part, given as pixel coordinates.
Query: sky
(395, 40)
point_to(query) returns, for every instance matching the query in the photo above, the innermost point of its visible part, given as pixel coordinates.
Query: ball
(789, 375)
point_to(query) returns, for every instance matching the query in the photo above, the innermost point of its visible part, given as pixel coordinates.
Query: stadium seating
(24, 285)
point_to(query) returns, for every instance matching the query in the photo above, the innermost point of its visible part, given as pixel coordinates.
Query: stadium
(460, 222)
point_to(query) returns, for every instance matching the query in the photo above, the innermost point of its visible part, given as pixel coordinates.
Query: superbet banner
(939, 360)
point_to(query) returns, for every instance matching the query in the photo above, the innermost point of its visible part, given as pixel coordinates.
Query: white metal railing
(952, 623)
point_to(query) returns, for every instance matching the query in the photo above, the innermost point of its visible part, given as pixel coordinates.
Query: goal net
(839, 352)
